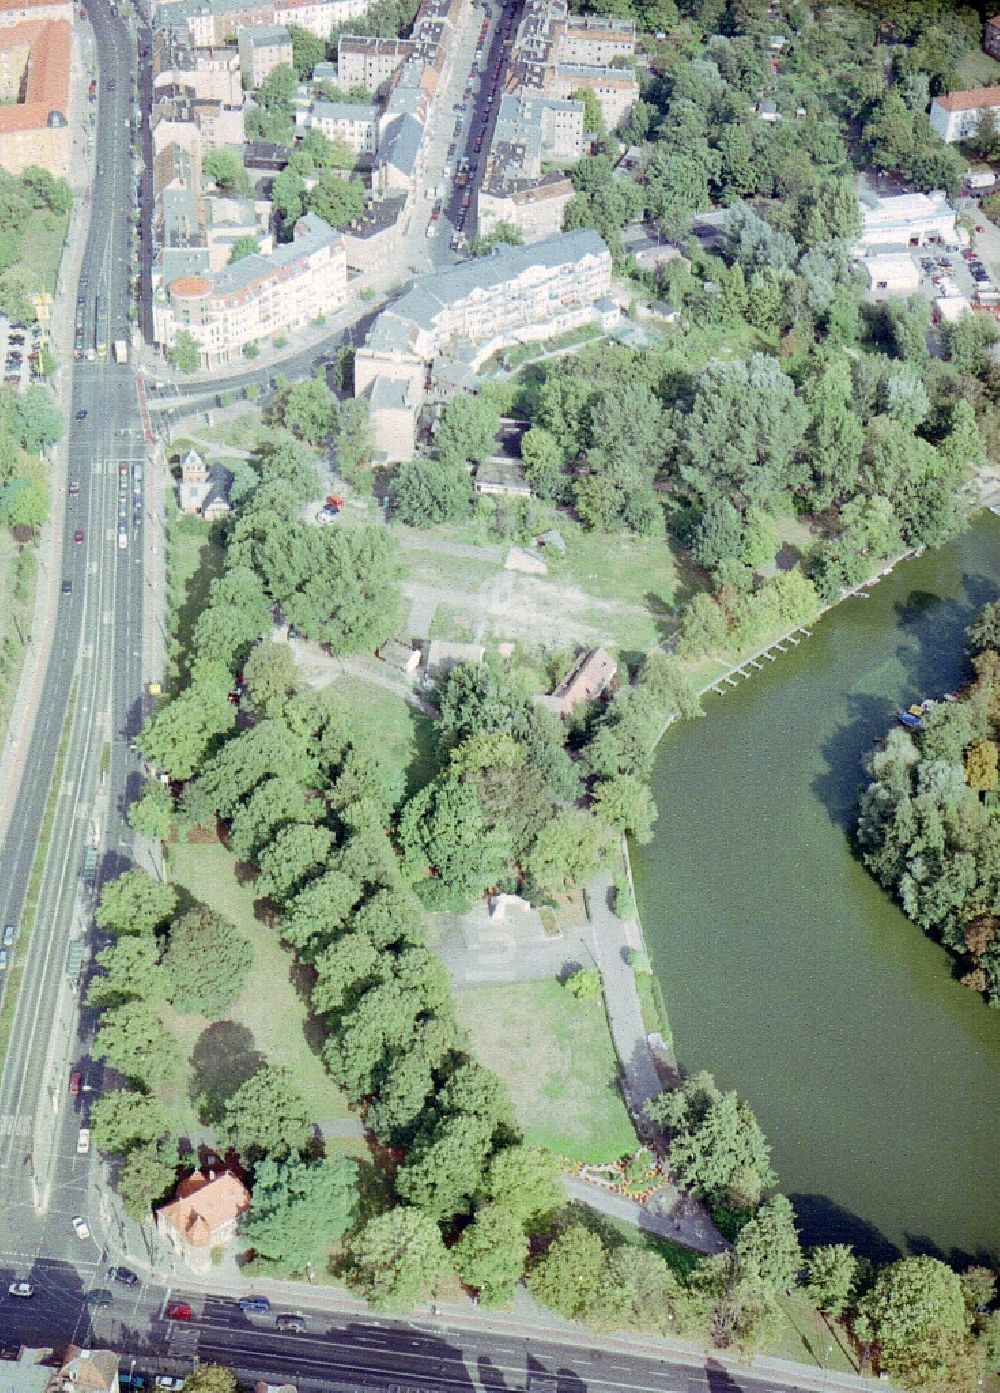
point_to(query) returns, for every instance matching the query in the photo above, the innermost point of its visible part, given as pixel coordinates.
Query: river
(787, 971)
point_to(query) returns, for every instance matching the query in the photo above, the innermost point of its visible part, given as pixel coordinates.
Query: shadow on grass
(224, 1057)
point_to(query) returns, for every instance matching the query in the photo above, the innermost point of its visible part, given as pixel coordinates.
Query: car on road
(83, 1142)
(177, 1310)
(67, 587)
(81, 415)
(99, 1296)
(8, 935)
(80, 1227)
(291, 1323)
(22, 1289)
(125, 1275)
(4, 958)
(74, 488)
(168, 1384)
(254, 1305)
(78, 536)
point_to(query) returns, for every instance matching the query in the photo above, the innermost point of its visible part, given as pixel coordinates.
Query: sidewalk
(13, 757)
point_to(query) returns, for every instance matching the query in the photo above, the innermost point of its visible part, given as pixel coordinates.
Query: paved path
(611, 948)
(676, 1216)
(419, 541)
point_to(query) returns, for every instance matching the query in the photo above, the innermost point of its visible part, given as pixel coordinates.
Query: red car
(78, 535)
(178, 1310)
(979, 227)
(75, 1081)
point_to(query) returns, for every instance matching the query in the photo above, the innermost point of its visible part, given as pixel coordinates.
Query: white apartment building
(954, 115)
(369, 62)
(353, 123)
(257, 297)
(518, 293)
(262, 48)
(907, 220)
(617, 89)
(595, 39)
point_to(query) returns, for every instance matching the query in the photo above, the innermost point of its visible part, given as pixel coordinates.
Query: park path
(670, 1213)
(466, 551)
(611, 947)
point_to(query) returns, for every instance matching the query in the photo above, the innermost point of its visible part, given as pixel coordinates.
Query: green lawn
(194, 559)
(978, 69)
(42, 245)
(270, 1019)
(401, 734)
(808, 1339)
(556, 1057)
(18, 573)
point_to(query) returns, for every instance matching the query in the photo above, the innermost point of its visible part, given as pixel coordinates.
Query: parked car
(8, 935)
(83, 1142)
(81, 415)
(4, 959)
(254, 1305)
(177, 1310)
(291, 1322)
(99, 1296)
(67, 587)
(80, 1227)
(21, 1289)
(125, 1275)
(78, 536)
(168, 1384)
(74, 488)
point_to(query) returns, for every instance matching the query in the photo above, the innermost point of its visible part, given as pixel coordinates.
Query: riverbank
(750, 879)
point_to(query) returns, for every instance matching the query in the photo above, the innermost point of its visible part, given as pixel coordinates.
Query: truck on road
(121, 351)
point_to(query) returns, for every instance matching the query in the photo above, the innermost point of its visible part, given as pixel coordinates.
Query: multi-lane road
(90, 707)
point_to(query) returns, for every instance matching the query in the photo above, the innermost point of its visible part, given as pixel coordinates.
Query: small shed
(402, 656)
(504, 478)
(893, 273)
(443, 656)
(588, 679)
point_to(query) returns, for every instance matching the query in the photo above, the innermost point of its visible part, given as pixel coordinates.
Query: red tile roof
(974, 100)
(47, 87)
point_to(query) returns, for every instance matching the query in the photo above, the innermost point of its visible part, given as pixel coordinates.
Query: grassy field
(269, 1021)
(556, 1057)
(194, 559)
(401, 734)
(978, 69)
(41, 247)
(808, 1339)
(18, 574)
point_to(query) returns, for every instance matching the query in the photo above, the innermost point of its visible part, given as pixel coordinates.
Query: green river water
(787, 971)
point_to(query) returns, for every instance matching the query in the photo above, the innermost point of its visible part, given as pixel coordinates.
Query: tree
(350, 597)
(397, 1259)
(152, 814)
(148, 1176)
(309, 409)
(186, 352)
(504, 234)
(491, 1254)
(571, 1276)
(584, 983)
(626, 804)
(752, 243)
(981, 760)
(207, 963)
(911, 1300)
(300, 1208)
(35, 418)
(24, 502)
(467, 431)
(427, 492)
(271, 678)
(307, 50)
(211, 1378)
(123, 1119)
(135, 903)
(130, 971)
(543, 464)
(242, 248)
(226, 168)
(337, 201)
(718, 538)
(716, 1144)
(443, 831)
(288, 196)
(295, 852)
(267, 1116)
(132, 1039)
(593, 116)
(831, 1277)
(444, 1169)
(352, 434)
(179, 737)
(524, 1180)
(569, 847)
(768, 1246)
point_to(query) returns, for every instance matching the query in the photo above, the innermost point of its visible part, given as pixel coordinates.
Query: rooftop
(264, 35)
(203, 1204)
(974, 100)
(47, 88)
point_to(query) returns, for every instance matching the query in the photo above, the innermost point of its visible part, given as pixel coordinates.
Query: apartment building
(355, 124)
(19, 11)
(263, 48)
(370, 62)
(226, 220)
(536, 207)
(255, 298)
(518, 293)
(991, 37)
(212, 22)
(556, 54)
(530, 132)
(35, 62)
(954, 114)
(549, 129)
(210, 74)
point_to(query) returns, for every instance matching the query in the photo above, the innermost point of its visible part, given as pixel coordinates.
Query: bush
(584, 983)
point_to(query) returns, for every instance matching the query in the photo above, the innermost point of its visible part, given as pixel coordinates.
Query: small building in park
(203, 1215)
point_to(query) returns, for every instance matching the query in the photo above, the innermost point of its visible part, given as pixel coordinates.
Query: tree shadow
(919, 1245)
(664, 615)
(822, 1221)
(224, 1057)
(718, 1378)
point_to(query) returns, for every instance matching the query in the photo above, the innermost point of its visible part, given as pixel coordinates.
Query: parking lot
(17, 344)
